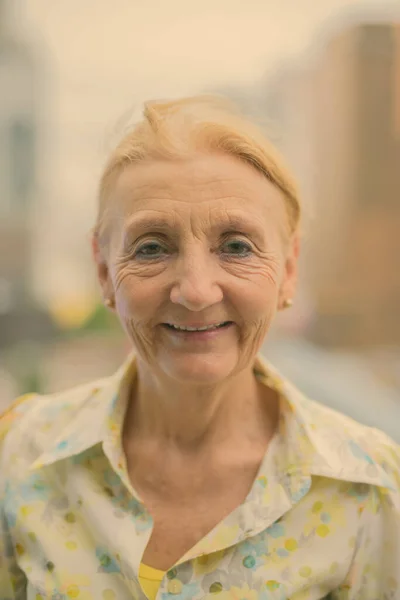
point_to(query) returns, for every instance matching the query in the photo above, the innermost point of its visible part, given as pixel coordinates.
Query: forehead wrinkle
(184, 184)
(223, 207)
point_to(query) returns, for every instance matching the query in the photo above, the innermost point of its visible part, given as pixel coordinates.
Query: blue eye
(237, 248)
(150, 250)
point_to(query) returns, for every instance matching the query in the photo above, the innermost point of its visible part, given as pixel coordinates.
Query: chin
(208, 369)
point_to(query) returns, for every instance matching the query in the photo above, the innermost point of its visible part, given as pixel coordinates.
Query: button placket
(174, 584)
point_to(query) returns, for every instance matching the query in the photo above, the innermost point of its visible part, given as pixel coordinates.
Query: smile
(202, 328)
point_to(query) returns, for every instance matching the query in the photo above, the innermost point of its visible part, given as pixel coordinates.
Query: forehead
(215, 184)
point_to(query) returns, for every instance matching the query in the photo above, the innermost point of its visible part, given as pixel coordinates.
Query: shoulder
(320, 416)
(330, 443)
(20, 406)
(34, 408)
(354, 450)
(33, 421)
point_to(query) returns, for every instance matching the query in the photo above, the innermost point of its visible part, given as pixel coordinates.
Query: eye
(237, 247)
(150, 250)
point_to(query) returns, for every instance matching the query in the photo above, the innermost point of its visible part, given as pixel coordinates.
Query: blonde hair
(179, 128)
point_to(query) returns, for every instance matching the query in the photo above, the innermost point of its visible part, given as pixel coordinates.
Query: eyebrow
(238, 223)
(149, 223)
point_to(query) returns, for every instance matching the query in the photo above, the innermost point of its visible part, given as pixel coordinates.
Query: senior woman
(196, 471)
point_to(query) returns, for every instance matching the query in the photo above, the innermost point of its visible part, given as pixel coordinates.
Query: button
(216, 587)
(172, 574)
(175, 586)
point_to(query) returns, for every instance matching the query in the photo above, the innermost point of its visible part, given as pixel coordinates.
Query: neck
(194, 419)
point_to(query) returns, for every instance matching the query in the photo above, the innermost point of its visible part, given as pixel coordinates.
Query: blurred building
(340, 120)
(17, 160)
(19, 318)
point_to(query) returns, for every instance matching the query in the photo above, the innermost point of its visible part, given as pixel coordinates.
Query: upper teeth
(205, 328)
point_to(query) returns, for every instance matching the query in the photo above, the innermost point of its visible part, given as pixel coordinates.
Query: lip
(198, 325)
(199, 336)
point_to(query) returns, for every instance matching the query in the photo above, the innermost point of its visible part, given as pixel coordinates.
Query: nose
(195, 286)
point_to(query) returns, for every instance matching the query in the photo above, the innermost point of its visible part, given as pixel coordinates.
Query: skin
(202, 240)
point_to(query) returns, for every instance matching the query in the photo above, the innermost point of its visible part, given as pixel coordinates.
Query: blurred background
(323, 79)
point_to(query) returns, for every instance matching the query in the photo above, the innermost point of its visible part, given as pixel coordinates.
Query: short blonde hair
(180, 128)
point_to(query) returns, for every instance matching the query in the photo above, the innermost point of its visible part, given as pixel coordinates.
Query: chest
(63, 545)
(181, 520)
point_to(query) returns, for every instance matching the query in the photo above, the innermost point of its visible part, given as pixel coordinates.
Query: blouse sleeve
(12, 580)
(375, 569)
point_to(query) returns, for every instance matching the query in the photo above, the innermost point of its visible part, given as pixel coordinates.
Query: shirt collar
(97, 419)
(312, 439)
(316, 440)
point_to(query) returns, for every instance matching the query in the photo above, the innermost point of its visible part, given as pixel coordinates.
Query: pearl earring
(287, 303)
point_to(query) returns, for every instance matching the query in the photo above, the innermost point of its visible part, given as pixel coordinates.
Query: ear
(290, 275)
(103, 273)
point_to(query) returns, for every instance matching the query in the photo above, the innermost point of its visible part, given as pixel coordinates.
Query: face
(199, 260)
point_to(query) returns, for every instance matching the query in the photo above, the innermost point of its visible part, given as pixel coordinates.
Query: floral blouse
(321, 521)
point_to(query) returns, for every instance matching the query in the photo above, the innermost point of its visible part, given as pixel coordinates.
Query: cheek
(258, 304)
(135, 297)
(136, 305)
(257, 288)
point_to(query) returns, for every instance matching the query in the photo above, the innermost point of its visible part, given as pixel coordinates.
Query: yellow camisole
(150, 580)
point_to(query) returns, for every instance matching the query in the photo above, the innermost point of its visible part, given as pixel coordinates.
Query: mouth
(198, 328)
